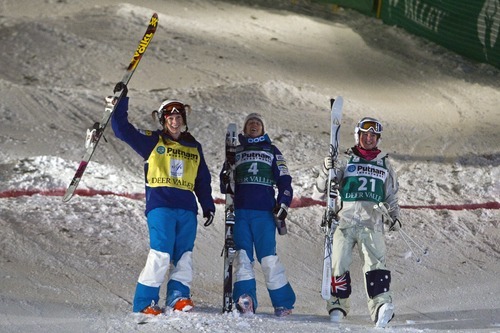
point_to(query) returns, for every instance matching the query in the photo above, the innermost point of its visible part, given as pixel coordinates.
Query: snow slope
(73, 266)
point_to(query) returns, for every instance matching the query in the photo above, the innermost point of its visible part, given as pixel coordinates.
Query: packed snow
(72, 267)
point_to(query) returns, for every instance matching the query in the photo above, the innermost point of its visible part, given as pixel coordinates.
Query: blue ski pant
(172, 233)
(255, 229)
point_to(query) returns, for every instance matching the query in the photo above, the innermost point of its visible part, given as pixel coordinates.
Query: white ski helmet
(368, 124)
(172, 106)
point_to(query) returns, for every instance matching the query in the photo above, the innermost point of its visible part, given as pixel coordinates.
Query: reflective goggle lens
(173, 108)
(373, 126)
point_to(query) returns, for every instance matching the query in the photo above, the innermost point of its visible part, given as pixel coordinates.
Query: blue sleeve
(202, 187)
(283, 179)
(140, 141)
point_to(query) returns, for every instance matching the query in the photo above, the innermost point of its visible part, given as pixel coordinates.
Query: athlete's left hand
(281, 211)
(395, 225)
(209, 218)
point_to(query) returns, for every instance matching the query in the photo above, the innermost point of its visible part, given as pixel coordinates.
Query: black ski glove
(280, 214)
(395, 225)
(209, 218)
(119, 87)
(281, 211)
(226, 175)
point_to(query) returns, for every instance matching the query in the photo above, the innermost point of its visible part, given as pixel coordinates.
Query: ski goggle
(370, 125)
(172, 108)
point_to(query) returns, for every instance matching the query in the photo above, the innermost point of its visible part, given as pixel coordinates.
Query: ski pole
(406, 238)
(425, 251)
(403, 235)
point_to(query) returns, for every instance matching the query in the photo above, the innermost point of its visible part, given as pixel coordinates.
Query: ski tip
(337, 102)
(153, 22)
(68, 195)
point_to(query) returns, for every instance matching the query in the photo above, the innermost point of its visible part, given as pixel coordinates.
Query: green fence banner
(467, 27)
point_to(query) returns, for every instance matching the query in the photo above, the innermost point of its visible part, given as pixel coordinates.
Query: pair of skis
(96, 132)
(229, 250)
(330, 219)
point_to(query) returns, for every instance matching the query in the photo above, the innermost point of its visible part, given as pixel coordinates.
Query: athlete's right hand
(328, 163)
(119, 87)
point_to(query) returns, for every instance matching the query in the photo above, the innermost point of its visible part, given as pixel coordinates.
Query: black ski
(96, 132)
(229, 250)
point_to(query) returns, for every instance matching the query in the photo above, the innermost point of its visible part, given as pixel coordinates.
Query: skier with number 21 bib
(365, 178)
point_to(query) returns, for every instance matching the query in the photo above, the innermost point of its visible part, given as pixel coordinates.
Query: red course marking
(296, 202)
(60, 193)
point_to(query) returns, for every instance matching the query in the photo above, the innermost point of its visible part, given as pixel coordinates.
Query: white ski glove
(328, 163)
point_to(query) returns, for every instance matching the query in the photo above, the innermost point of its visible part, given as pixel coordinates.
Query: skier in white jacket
(364, 178)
